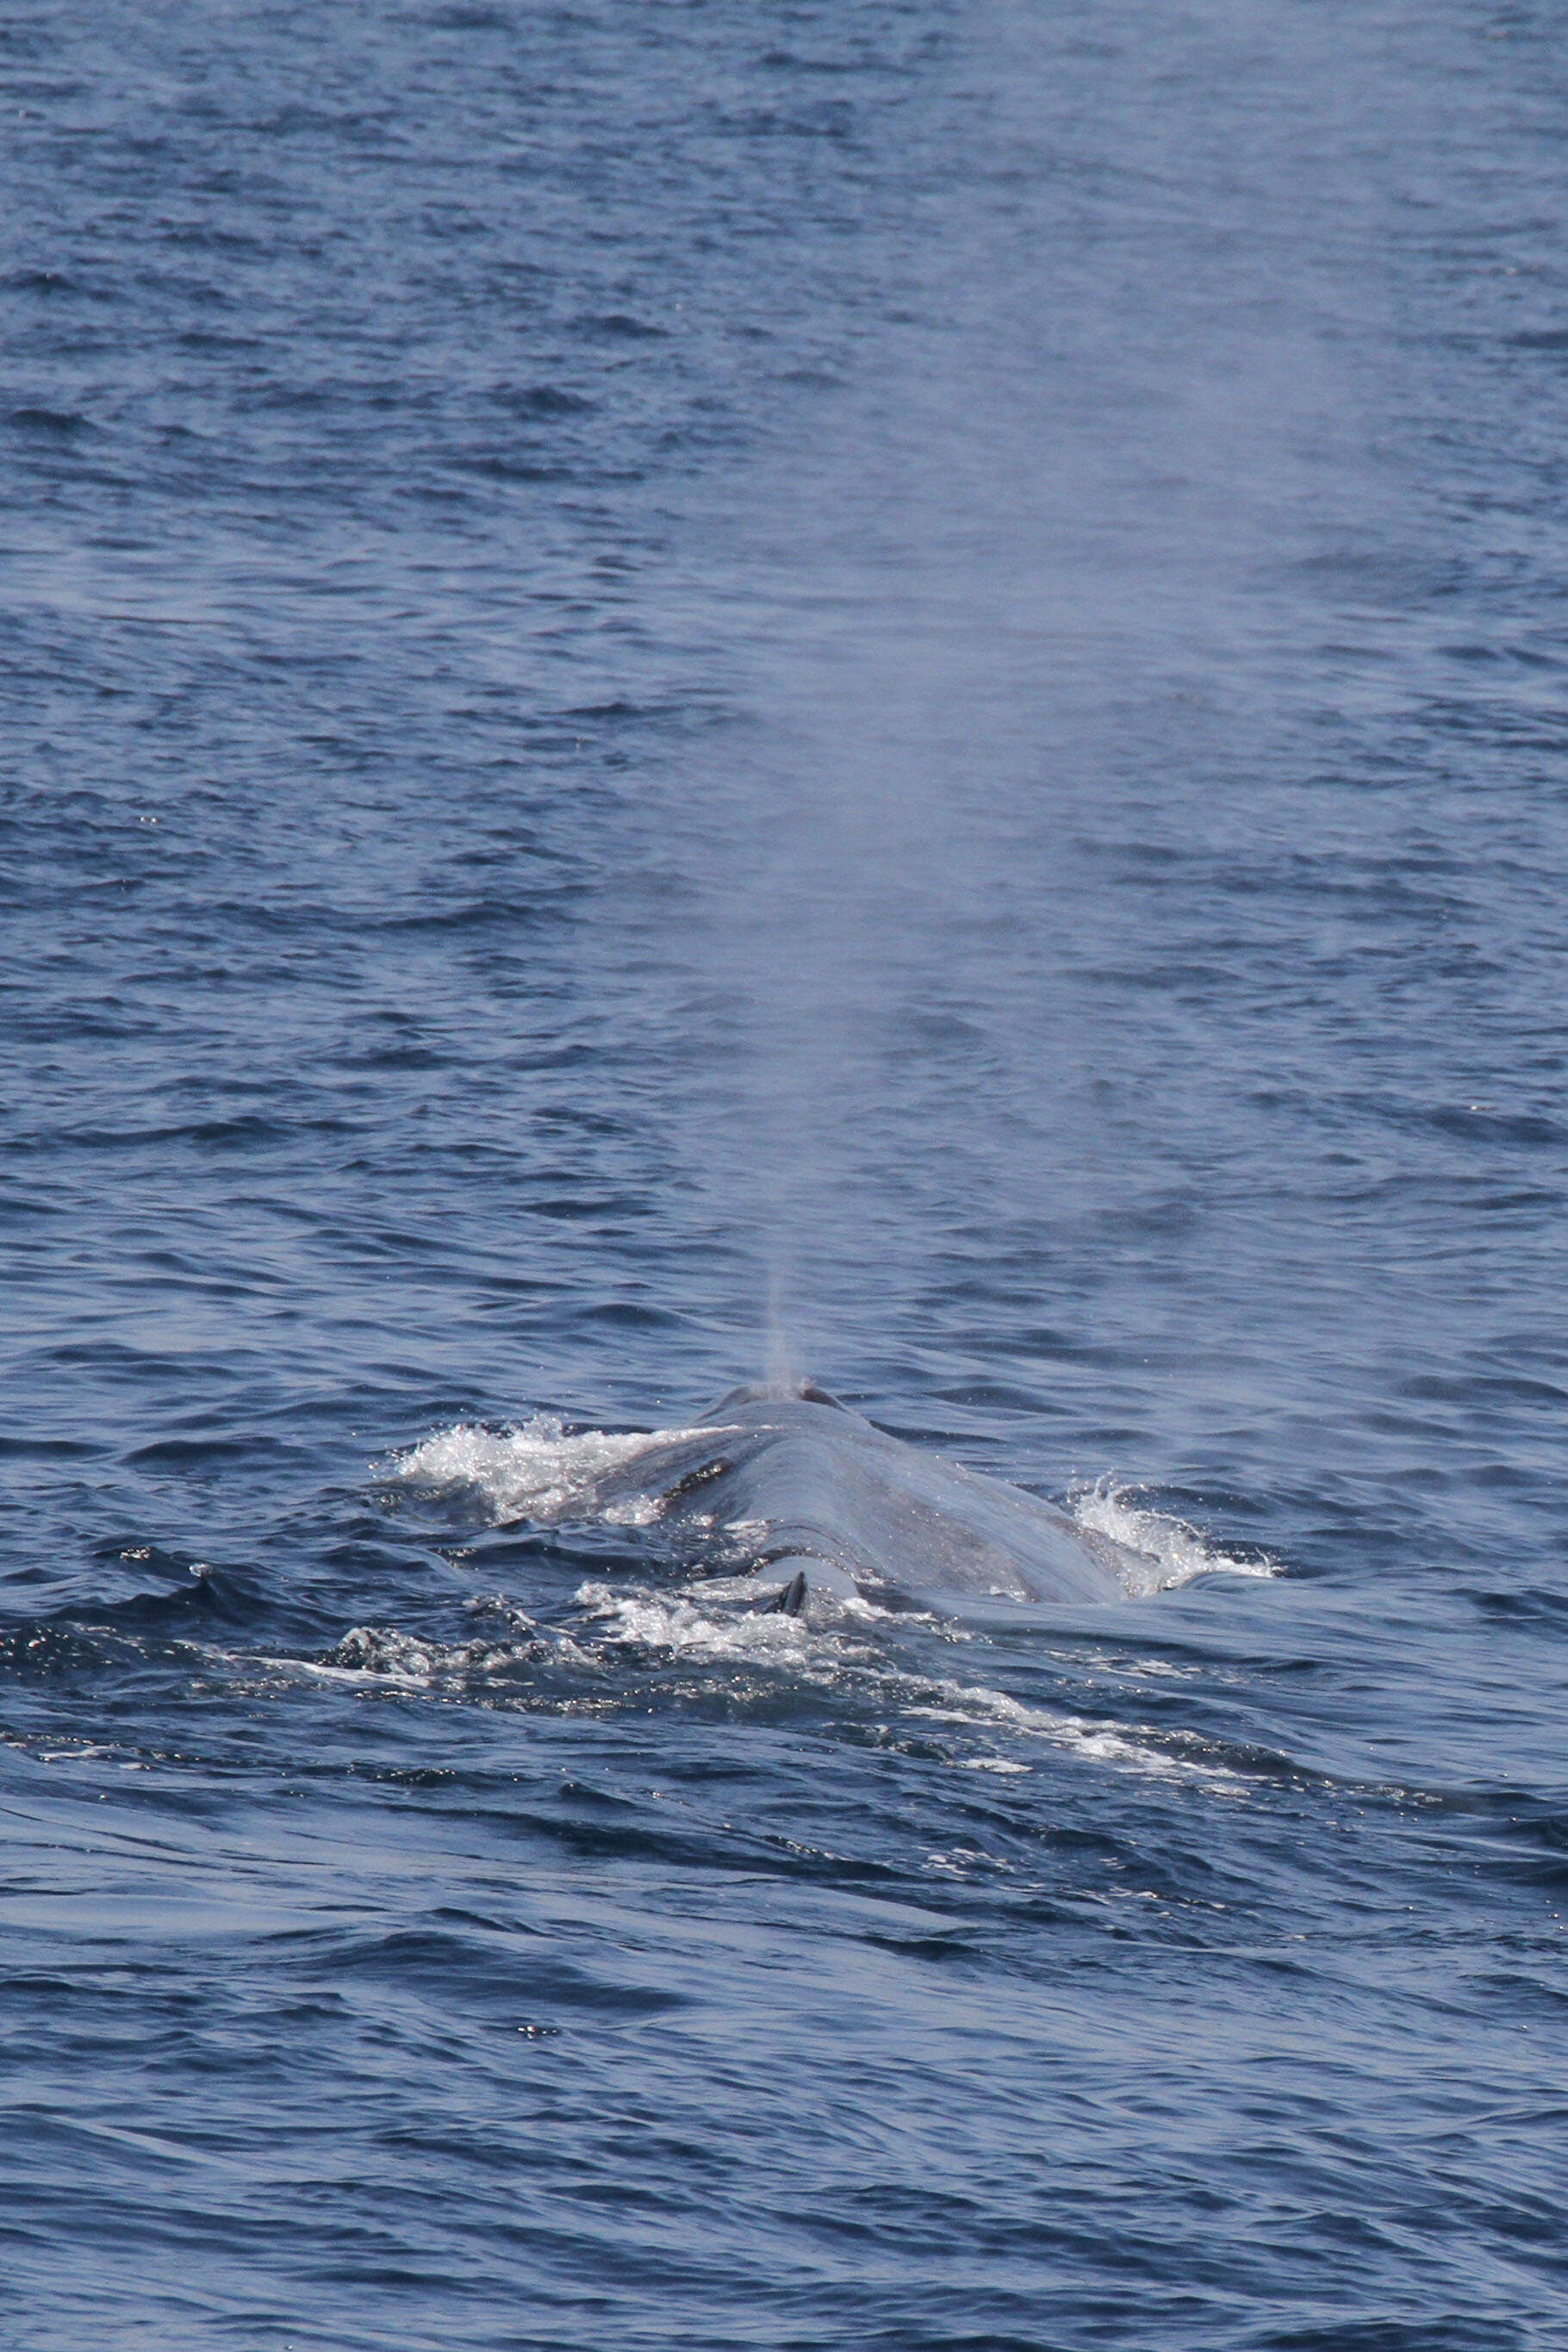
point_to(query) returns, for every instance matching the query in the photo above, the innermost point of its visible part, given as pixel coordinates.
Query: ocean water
(879, 689)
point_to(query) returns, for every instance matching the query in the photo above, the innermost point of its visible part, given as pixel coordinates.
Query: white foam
(1181, 1553)
(535, 1472)
(642, 1620)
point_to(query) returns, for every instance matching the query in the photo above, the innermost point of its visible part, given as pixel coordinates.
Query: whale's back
(793, 1474)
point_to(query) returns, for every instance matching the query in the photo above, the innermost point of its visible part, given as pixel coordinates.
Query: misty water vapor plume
(1032, 559)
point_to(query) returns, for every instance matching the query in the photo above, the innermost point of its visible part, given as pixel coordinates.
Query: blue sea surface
(879, 689)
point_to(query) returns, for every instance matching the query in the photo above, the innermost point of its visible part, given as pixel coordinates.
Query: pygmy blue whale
(818, 1500)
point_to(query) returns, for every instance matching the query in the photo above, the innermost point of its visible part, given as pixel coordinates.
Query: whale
(811, 1502)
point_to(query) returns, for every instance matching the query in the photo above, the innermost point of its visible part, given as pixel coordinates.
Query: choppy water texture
(686, 687)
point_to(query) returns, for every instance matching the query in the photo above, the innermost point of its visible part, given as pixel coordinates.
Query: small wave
(1181, 1551)
(980, 1709)
(824, 1650)
(536, 1472)
(383, 1655)
(813, 1652)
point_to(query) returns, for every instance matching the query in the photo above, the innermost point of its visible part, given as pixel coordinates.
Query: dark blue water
(877, 685)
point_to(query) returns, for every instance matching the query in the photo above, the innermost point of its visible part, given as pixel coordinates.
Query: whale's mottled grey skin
(827, 1503)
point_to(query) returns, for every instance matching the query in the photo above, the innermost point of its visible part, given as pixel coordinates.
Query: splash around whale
(786, 1497)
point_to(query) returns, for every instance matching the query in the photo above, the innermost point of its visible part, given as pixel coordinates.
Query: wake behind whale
(791, 1496)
